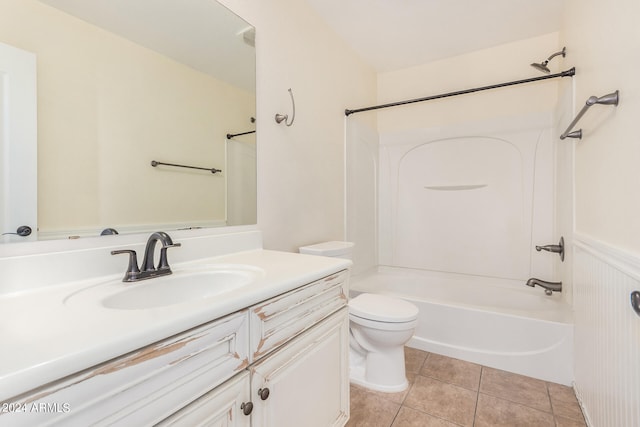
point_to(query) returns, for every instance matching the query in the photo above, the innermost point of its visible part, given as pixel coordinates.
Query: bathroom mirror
(123, 83)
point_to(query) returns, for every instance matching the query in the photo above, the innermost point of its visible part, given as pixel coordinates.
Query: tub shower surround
(473, 199)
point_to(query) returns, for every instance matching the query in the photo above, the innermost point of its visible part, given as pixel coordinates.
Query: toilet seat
(382, 308)
(383, 326)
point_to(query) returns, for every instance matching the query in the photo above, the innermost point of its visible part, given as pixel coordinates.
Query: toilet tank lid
(382, 308)
(334, 248)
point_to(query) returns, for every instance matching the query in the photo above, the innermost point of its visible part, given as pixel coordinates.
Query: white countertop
(43, 339)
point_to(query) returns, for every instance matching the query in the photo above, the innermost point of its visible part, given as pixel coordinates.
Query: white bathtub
(498, 323)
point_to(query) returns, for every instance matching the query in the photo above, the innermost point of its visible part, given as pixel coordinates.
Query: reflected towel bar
(609, 99)
(455, 187)
(212, 170)
(233, 135)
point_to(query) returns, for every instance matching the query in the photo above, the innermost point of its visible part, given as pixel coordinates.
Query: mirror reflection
(120, 84)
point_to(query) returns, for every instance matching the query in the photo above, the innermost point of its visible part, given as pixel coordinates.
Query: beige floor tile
(568, 422)
(408, 417)
(370, 410)
(563, 393)
(495, 412)
(567, 410)
(443, 392)
(414, 359)
(515, 388)
(447, 401)
(453, 371)
(564, 403)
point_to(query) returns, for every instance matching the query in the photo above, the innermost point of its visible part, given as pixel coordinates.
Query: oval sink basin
(180, 287)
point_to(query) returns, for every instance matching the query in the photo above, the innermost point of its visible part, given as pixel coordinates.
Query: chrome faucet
(149, 270)
(549, 287)
(558, 249)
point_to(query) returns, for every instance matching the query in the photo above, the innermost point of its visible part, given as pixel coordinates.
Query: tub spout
(549, 287)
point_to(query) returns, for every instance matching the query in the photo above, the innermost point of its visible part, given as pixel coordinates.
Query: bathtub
(498, 323)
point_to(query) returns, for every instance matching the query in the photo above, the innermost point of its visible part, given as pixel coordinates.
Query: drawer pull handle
(246, 407)
(263, 393)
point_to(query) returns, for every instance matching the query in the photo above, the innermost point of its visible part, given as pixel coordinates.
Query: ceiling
(395, 34)
(202, 34)
(387, 34)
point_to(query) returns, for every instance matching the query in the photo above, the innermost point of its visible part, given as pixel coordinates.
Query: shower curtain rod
(567, 73)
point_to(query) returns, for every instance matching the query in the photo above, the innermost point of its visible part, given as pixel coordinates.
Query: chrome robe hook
(285, 117)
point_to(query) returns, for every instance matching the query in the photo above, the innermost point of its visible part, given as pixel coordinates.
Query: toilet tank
(334, 249)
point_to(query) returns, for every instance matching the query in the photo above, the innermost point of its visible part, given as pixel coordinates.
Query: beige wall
(603, 41)
(485, 67)
(301, 168)
(106, 108)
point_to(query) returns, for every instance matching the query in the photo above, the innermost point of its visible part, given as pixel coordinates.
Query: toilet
(379, 326)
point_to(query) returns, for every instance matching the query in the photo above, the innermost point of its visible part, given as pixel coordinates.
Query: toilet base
(378, 371)
(357, 377)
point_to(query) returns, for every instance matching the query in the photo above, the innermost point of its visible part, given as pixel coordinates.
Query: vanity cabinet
(306, 382)
(143, 387)
(279, 363)
(300, 344)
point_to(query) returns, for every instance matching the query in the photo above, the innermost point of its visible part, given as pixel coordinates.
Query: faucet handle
(558, 249)
(163, 262)
(133, 271)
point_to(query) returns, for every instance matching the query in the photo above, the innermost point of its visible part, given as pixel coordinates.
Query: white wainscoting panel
(607, 333)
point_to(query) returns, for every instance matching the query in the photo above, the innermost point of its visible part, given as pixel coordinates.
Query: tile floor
(446, 392)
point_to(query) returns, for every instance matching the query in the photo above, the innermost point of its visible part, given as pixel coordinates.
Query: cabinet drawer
(144, 386)
(219, 407)
(278, 320)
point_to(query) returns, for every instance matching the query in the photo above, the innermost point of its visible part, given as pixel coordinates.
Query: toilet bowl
(380, 326)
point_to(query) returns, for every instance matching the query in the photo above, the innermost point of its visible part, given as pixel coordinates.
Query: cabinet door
(222, 407)
(307, 380)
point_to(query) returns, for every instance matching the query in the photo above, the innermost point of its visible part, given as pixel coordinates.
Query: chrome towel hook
(285, 117)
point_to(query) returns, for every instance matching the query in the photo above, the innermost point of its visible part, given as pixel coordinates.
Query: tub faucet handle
(558, 249)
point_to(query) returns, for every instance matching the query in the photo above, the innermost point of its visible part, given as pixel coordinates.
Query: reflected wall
(107, 107)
